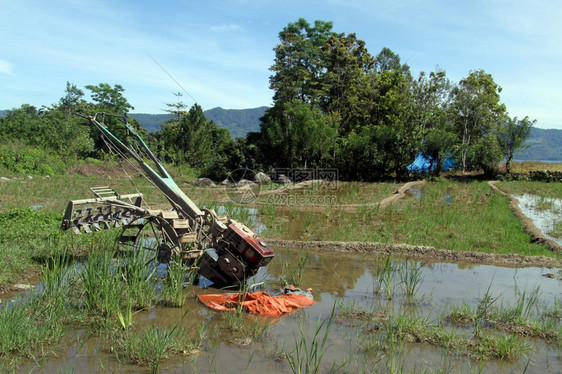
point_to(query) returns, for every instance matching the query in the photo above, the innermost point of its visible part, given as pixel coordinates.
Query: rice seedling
(460, 314)
(555, 310)
(57, 274)
(103, 291)
(497, 346)
(294, 271)
(522, 309)
(483, 311)
(411, 277)
(137, 276)
(26, 331)
(387, 276)
(543, 204)
(177, 277)
(152, 345)
(556, 228)
(307, 356)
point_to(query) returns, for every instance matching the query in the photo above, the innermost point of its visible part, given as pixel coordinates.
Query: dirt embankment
(420, 252)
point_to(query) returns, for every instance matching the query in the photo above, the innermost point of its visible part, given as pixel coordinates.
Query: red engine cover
(251, 246)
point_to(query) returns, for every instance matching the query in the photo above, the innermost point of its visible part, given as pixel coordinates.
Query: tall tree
(177, 109)
(431, 94)
(347, 63)
(109, 98)
(299, 65)
(512, 135)
(196, 142)
(72, 101)
(477, 113)
(398, 133)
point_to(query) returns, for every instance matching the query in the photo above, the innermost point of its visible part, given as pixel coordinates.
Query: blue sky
(220, 51)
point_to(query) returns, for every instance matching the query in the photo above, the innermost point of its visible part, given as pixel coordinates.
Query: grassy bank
(445, 214)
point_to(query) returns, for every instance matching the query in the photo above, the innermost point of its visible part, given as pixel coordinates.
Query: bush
(22, 159)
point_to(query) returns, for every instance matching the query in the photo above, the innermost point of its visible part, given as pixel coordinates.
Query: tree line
(334, 106)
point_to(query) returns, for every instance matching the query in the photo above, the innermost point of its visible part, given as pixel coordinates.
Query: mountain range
(543, 145)
(238, 121)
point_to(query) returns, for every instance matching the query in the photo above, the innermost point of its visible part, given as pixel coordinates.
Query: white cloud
(230, 27)
(6, 67)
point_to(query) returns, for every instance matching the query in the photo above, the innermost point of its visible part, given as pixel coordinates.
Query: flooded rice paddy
(354, 286)
(546, 214)
(390, 315)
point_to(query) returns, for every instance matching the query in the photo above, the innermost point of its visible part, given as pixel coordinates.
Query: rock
(203, 182)
(225, 182)
(29, 177)
(245, 182)
(4, 179)
(262, 178)
(22, 287)
(283, 179)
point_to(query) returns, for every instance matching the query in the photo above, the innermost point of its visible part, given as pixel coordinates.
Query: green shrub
(23, 159)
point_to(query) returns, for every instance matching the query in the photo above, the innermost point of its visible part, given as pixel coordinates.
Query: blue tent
(422, 164)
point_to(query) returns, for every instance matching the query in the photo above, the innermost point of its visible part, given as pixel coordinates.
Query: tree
(347, 63)
(512, 135)
(431, 94)
(397, 133)
(177, 109)
(299, 64)
(477, 113)
(197, 142)
(49, 133)
(72, 101)
(437, 145)
(110, 99)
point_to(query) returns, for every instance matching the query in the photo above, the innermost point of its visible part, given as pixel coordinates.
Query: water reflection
(545, 213)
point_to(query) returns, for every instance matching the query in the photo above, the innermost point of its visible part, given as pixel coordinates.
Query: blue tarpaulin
(422, 164)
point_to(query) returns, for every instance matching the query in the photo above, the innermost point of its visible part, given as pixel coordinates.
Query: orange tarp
(260, 302)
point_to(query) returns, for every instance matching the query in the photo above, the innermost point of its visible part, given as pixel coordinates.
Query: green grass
(548, 190)
(28, 238)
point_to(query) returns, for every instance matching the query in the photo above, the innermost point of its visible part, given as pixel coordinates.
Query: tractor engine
(238, 255)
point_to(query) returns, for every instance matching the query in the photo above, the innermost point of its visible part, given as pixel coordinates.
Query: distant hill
(238, 121)
(151, 122)
(545, 145)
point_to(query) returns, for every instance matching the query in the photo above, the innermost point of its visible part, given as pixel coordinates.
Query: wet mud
(425, 253)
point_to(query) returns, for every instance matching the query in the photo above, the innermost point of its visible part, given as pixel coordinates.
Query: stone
(245, 182)
(22, 287)
(283, 179)
(262, 178)
(203, 182)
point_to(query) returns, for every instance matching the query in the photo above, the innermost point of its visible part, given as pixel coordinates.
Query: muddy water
(544, 212)
(347, 279)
